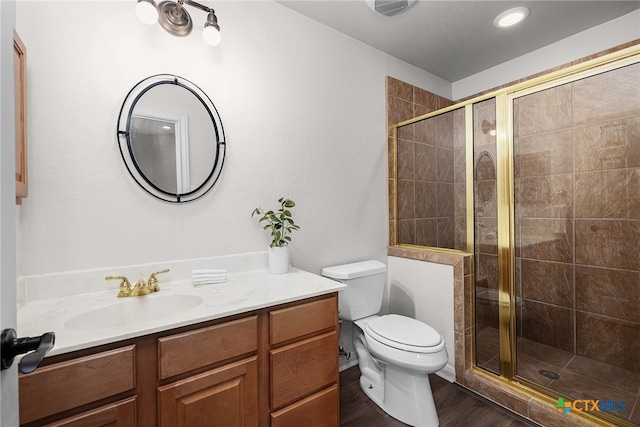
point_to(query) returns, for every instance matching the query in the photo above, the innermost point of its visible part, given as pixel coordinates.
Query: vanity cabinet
(118, 414)
(78, 382)
(303, 364)
(225, 396)
(277, 366)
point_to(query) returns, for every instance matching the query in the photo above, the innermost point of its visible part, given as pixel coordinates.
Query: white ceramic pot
(279, 260)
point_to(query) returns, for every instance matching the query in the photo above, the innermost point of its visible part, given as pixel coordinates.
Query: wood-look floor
(456, 406)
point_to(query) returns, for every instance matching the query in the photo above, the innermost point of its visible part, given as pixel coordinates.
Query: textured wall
(304, 117)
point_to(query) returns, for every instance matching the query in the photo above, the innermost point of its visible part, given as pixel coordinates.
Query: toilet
(395, 353)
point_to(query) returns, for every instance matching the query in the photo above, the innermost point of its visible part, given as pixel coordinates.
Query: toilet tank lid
(354, 270)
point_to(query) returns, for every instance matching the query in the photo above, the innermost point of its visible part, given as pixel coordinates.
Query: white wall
(424, 291)
(304, 114)
(8, 377)
(597, 39)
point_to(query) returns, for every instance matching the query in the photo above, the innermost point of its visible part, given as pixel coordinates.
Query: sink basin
(134, 310)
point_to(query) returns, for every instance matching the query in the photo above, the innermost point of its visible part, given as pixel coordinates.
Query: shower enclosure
(550, 176)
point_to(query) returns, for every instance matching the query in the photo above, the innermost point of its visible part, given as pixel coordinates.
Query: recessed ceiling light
(511, 17)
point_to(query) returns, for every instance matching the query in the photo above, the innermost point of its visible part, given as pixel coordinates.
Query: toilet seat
(404, 333)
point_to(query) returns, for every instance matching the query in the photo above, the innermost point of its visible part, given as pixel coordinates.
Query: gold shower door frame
(506, 211)
(505, 208)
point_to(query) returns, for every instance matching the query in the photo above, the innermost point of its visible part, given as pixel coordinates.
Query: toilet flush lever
(37, 347)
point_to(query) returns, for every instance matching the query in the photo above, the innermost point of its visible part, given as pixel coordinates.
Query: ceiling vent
(389, 7)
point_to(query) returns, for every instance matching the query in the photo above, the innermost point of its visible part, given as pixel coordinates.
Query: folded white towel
(198, 282)
(209, 271)
(208, 274)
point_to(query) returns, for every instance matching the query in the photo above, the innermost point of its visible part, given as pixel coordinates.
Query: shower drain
(549, 374)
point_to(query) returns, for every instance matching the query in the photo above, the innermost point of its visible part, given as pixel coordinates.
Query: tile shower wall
(490, 386)
(430, 168)
(577, 188)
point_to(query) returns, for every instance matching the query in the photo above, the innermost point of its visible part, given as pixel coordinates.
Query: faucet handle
(152, 283)
(125, 285)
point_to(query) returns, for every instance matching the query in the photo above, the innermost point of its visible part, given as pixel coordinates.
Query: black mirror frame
(124, 138)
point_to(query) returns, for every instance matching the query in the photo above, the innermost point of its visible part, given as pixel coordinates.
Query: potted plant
(280, 224)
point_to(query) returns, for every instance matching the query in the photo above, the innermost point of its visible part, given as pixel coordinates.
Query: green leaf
(280, 223)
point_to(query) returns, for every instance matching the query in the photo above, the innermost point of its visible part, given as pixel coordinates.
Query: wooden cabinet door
(222, 397)
(304, 319)
(119, 414)
(302, 368)
(60, 387)
(181, 353)
(318, 410)
(20, 87)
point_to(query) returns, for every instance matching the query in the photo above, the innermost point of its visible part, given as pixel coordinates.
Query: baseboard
(348, 363)
(448, 373)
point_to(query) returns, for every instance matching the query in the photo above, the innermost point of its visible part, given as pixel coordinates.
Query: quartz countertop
(242, 292)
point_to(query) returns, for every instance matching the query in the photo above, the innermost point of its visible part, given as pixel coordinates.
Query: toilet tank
(365, 288)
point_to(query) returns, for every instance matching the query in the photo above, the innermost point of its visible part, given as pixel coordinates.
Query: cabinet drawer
(302, 368)
(300, 320)
(62, 386)
(196, 349)
(318, 410)
(223, 397)
(119, 414)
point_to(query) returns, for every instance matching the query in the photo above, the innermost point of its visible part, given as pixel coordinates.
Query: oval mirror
(171, 138)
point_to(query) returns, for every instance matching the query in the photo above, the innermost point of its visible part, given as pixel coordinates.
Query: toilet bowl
(405, 342)
(395, 353)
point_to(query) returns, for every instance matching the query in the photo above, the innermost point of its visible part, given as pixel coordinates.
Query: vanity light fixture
(511, 17)
(147, 12)
(174, 18)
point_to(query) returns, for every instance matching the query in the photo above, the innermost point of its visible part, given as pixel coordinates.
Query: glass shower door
(486, 236)
(576, 224)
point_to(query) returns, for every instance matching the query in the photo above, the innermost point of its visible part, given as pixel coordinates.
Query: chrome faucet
(140, 288)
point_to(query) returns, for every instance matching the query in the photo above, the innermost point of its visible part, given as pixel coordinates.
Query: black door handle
(11, 346)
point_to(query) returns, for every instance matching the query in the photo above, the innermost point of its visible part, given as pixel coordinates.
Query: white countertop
(243, 292)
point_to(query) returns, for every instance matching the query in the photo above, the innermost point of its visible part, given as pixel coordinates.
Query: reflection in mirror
(171, 138)
(157, 150)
